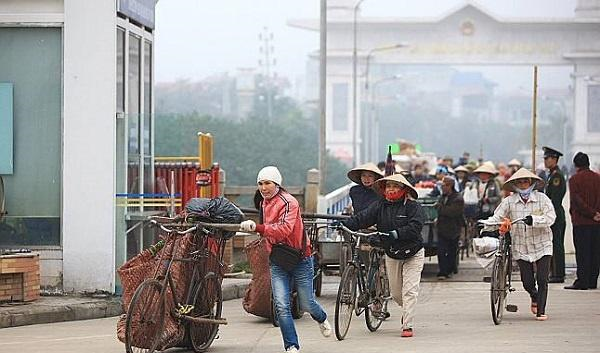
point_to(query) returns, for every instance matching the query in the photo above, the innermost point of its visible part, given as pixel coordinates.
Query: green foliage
(241, 266)
(243, 148)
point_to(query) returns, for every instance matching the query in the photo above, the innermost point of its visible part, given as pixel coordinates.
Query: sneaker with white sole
(292, 349)
(325, 328)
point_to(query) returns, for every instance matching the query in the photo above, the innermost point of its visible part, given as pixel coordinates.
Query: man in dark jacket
(450, 222)
(402, 218)
(584, 188)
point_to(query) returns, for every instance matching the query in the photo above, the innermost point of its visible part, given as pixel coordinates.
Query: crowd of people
(478, 190)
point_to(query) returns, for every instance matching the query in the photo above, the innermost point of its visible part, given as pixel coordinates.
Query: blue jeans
(281, 283)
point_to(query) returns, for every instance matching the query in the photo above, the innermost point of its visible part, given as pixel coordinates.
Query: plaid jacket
(529, 243)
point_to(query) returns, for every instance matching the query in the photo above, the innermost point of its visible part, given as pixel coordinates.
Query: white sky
(198, 38)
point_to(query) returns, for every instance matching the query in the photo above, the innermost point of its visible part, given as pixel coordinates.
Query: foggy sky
(196, 38)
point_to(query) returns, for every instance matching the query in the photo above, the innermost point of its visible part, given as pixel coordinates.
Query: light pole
(369, 152)
(374, 140)
(355, 159)
(323, 95)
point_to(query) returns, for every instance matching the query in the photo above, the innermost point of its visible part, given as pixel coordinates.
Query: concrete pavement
(69, 308)
(451, 317)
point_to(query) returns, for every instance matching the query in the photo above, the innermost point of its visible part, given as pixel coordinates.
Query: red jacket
(584, 188)
(282, 222)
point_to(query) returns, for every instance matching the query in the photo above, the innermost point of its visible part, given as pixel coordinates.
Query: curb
(43, 314)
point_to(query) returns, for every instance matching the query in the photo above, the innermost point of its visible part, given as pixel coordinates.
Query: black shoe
(556, 280)
(576, 287)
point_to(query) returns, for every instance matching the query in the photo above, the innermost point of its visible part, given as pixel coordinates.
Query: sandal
(533, 308)
(542, 317)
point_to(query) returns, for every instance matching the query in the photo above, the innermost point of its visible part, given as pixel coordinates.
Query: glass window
(147, 97)
(31, 58)
(120, 70)
(340, 106)
(134, 93)
(593, 110)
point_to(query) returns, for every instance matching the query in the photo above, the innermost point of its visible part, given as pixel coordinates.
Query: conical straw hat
(354, 174)
(461, 168)
(398, 178)
(519, 174)
(514, 162)
(486, 168)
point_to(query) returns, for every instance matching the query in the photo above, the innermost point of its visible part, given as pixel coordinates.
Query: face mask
(395, 195)
(524, 193)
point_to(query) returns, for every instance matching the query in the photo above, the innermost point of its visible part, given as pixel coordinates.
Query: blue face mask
(524, 193)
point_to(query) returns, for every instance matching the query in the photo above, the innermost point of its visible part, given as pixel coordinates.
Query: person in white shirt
(530, 244)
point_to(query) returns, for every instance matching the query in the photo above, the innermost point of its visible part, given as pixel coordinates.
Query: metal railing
(336, 201)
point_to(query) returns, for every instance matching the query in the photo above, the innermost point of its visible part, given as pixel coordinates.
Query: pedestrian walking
(488, 189)
(555, 188)
(450, 223)
(584, 190)
(362, 194)
(531, 244)
(283, 229)
(399, 215)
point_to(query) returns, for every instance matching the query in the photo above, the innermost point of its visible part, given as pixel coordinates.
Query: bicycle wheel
(345, 255)
(498, 289)
(376, 309)
(145, 318)
(208, 304)
(346, 301)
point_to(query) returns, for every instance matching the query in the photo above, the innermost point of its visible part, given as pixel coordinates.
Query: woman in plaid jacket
(530, 243)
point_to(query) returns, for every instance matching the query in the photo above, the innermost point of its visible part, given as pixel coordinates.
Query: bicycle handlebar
(165, 229)
(485, 223)
(356, 234)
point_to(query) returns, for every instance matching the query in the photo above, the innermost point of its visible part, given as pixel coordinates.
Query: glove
(376, 241)
(528, 220)
(248, 226)
(505, 226)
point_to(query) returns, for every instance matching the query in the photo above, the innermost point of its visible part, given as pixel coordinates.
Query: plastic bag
(217, 210)
(484, 249)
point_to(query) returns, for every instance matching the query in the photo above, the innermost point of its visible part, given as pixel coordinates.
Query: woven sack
(257, 299)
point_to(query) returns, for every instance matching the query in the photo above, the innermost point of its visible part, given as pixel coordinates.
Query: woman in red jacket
(282, 223)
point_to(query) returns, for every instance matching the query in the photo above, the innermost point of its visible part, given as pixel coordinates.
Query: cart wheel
(297, 313)
(318, 283)
(273, 313)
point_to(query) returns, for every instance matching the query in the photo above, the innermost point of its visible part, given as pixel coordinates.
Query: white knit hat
(270, 173)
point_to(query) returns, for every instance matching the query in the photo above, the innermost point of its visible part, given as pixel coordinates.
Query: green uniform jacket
(555, 189)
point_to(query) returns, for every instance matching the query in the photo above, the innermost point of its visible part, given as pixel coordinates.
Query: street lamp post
(355, 159)
(369, 147)
(374, 140)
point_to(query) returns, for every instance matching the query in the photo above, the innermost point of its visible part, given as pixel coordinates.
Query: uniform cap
(551, 152)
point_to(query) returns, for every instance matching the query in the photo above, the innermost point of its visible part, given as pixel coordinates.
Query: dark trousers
(539, 294)
(587, 254)
(557, 269)
(446, 252)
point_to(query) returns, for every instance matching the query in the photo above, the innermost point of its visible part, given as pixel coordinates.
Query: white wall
(89, 145)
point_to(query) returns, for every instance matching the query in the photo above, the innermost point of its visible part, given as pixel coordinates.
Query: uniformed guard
(555, 189)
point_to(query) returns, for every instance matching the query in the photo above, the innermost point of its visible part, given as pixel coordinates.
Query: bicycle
(200, 310)
(501, 279)
(372, 286)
